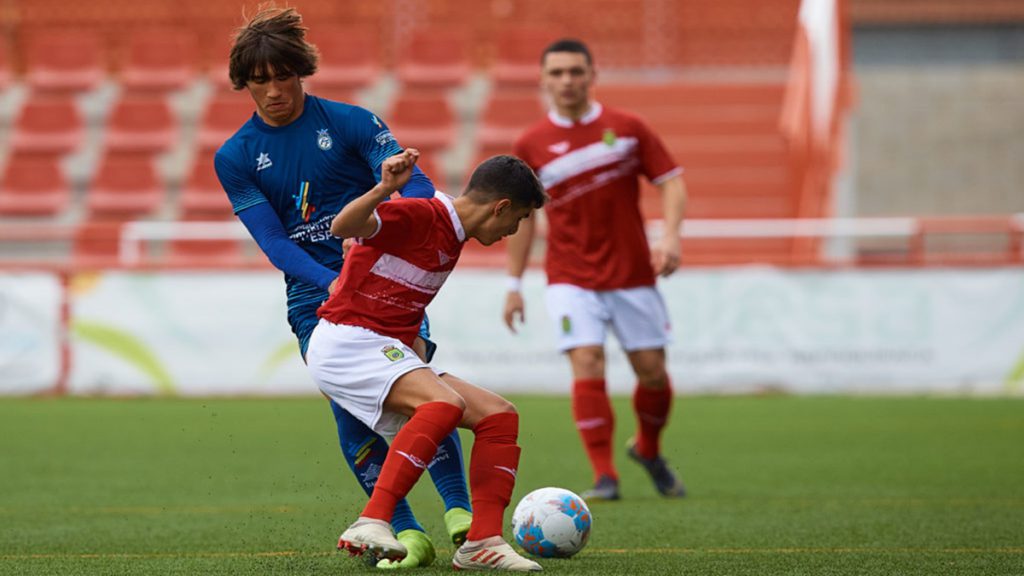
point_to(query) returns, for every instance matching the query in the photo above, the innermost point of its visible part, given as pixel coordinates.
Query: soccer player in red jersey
(361, 352)
(601, 271)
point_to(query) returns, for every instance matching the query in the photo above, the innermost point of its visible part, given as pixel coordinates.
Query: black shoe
(664, 478)
(606, 488)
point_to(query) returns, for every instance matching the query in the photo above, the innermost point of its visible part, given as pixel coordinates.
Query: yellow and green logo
(392, 353)
(609, 137)
(566, 325)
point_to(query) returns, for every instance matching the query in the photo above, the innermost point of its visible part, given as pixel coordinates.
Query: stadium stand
(433, 59)
(141, 124)
(126, 187)
(349, 59)
(159, 60)
(504, 118)
(33, 185)
(516, 56)
(423, 121)
(48, 125)
(63, 60)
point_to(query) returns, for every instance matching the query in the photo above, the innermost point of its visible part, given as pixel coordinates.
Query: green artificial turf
(778, 485)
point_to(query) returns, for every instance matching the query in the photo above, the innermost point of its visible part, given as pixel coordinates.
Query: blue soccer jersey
(307, 171)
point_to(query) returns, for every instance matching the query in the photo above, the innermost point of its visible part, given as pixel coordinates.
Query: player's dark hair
(507, 177)
(273, 38)
(568, 45)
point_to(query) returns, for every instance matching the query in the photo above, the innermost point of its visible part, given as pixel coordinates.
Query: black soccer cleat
(665, 481)
(606, 488)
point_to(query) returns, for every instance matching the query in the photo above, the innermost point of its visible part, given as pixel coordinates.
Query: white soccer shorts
(581, 317)
(356, 368)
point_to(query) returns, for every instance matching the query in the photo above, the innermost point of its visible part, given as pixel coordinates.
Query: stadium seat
(203, 197)
(63, 60)
(349, 59)
(517, 60)
(159, 60)
(504, 119)
(425, 122)
(5, 65)
(125, 187)
(433, 59)
(33, 185)
(141, 124)
(48, 125)
(223, 116)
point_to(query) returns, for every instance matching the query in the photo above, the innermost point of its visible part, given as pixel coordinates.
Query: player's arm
(519, 245)
(265, 227)
(357, 219)
(666, 253)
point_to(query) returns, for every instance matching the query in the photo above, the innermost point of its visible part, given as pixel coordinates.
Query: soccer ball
(551, 522)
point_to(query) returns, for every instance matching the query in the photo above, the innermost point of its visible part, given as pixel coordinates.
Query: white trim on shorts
(357, 367)
(581, 317)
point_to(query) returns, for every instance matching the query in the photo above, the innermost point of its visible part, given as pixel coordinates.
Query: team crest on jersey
(323, 139)
(392, 353)
(609, 137)
(566, 325)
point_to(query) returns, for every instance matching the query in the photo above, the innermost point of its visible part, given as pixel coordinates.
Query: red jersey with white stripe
(590, 169)
(389, 278)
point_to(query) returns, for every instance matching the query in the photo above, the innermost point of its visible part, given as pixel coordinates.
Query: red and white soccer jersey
(390, 277)
(590, 169)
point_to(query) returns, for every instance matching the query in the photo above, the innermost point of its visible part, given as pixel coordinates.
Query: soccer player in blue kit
(288, 171)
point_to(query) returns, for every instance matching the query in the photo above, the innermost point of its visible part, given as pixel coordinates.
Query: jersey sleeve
(657, 163)
(372, 140)
(237, 183)
(399, 221)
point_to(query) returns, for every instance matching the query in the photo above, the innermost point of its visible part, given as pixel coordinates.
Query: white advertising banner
(735, 330)
(29, 332)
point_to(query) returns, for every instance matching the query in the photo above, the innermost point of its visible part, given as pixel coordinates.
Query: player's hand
(334, 286)
(514, 308)
(396, 170)
(665, 255)
(346, 245)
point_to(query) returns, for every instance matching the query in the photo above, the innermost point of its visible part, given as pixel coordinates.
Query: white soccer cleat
(371, 535)
(498, 555)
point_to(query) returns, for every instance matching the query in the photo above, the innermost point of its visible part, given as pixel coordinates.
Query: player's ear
(501, 206)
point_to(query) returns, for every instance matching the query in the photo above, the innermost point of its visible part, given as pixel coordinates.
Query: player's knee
(454, 399)
(656, 378)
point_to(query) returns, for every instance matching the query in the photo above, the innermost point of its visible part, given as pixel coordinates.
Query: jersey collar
(445, 199)
(593, 114)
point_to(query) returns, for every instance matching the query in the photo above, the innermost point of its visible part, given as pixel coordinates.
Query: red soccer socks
(413, 447)
(492, 472)
(595, 421)
(652, 407)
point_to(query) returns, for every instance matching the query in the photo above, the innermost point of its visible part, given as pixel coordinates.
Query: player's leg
(492, 476)
(580, 319)
(641, 324)
(446, 469)
(356, 369)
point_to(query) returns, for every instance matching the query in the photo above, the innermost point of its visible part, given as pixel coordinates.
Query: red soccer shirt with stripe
(590, 169)
(389, 278)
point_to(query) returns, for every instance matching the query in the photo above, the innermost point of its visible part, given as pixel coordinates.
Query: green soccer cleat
(420, 551)
(457, 521)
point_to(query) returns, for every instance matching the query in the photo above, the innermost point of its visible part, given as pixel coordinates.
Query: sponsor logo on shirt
(392, 353)
(376, 122)
(263, 161)
(323, 139)
(302, 202)
(560, 147)
(316, 231)
(384, 138)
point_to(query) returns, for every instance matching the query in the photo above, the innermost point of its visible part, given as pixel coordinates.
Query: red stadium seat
(96, 244)
(433, 59)
(348, 59)
(140, 124)
(48, 125)
(64, 60)
(159, 59)
(423, 122)
(203, 197)
(126, 187)
(33, 185)
(517, 62)
(504, 119)
(224, 115)
(5, 65)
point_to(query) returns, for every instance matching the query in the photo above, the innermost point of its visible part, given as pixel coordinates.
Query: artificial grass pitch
(778, 485)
